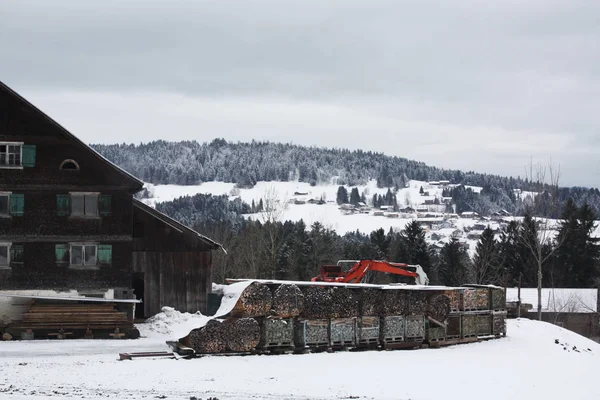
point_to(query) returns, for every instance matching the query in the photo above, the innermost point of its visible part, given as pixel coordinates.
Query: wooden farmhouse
(73, 240)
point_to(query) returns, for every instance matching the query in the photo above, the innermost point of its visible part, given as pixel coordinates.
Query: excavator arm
(360, 268)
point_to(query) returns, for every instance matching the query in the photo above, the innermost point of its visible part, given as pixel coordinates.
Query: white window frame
(7, 214)
(7, 245)
(83, 265)
(6, 165)
(84, 215)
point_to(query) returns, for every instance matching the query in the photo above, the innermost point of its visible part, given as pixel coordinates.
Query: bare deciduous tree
(274, 207)
(541, 207)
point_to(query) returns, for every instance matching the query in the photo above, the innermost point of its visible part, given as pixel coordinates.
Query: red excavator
(359, 269)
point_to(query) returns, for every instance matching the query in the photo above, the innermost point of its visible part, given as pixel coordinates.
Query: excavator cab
(330, 273)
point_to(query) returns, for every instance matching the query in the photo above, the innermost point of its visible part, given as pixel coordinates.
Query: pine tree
(342, 195)
(576, 260)
(454, 264)
(354, 196)
(410, 247)
(486, 263)
(381, 242)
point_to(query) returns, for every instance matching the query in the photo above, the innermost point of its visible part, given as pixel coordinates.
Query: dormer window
(10, 154)
(69, 165)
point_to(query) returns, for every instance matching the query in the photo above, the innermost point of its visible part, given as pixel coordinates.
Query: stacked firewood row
(277, 316)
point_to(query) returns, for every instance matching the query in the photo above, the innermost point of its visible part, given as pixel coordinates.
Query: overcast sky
(468, 84)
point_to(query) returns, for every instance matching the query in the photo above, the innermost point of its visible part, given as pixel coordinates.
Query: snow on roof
(558, 300)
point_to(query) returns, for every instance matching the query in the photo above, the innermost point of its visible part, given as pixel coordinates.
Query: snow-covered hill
(535, 361)
(293, 199)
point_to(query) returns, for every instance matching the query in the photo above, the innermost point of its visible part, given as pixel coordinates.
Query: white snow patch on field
(528, 364)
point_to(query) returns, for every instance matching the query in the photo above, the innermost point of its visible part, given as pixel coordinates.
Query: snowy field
(528, 364)
(329, 214)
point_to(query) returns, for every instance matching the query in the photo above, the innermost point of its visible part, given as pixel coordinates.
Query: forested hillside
(190, 162)
(274, 248)
(268, 247)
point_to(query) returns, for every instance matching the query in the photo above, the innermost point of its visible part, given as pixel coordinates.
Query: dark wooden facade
(173, 260)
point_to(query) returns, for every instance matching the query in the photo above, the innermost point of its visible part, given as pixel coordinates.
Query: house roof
(176, 225)
(135, 182)
(558, 300)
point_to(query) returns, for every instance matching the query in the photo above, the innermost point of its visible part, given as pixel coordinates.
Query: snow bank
(171, 324)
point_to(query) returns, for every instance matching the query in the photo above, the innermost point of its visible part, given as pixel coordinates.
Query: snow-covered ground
(535, 361)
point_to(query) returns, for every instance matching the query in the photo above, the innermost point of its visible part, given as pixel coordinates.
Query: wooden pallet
(159, 354)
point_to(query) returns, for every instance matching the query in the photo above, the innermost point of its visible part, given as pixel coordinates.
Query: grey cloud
(523, 70)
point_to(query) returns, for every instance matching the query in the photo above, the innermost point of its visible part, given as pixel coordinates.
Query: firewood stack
(438, 307)
(318, 302)
(279, 317)
(212, 338)
(344, 303)
(393, 302)
(417, 302)
(288, 301)
(255, 301)
(369, 301)
(243, 334)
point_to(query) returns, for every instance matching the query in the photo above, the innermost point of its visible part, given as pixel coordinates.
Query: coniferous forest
(270, 248)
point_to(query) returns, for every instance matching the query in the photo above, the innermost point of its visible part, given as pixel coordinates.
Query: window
(84, 204)
(84, 254)
(12, 204)
(10, 154)
(16, 155)
(16, 254)
(4, 255)
(69, 165)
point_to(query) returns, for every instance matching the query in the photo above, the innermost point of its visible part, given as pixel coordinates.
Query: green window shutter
(62, 253)
(28, 155)
(105, 204)
(105, 253)
(17, 204)
(16, 253)
(63, 204)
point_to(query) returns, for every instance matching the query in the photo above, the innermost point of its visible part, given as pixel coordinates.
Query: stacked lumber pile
(275, 316)
(74, 316)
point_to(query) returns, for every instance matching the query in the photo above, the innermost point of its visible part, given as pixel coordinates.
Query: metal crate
(276, 332)
(368, 331)
(484, 324)
(393, 329)
(435, 334)
(312, 333)
(469, 301)
(499, 323)
(453, 326)
(415, 327)
(343, 332)
(469, 325)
